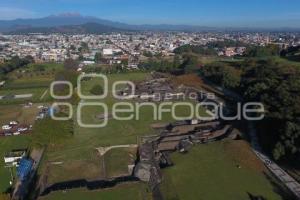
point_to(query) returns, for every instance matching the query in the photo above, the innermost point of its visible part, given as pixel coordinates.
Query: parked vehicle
(13, 123)
(22, 129)
(16, 133)
(6, 127)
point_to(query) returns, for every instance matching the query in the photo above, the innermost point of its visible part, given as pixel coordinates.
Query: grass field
(18, 113)
(33, 79)
(8, 113)
(33, 75)
(113, 164)
(219, 171)
(134, 191)
(37, 93)
(207, 172)
(74, 170)
(78, 153)
(85, 140)
(117, 161)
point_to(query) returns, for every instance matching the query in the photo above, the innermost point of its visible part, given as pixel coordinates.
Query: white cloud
(7, 13)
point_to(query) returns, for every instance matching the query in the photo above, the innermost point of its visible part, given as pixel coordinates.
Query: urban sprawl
(129, 50)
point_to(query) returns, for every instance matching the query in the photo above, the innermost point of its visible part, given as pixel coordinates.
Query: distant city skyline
(229, 13)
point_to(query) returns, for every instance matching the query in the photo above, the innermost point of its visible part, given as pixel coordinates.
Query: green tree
(70, 64)
(278, 88)
(197, 49)
(263, 51)
(84, 47)
(98, 57)
(222, 74)
(176, 61)
(72, 47)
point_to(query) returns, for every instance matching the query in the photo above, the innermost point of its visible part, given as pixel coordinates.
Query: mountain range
(76, 23)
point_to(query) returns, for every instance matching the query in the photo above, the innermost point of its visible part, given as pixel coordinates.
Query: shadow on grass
(90, 185)
(279, 188)
(255, 197)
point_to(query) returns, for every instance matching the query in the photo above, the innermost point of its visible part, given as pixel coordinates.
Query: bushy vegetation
(13, 64)
(222, 74)
(179, 65)
(278, 88)
(291, 53)
(71, 64)
(197, 49)
(106, 69)
(98, 57)
(263, 51)
(226, 43)
(209, 49)
(68, 73)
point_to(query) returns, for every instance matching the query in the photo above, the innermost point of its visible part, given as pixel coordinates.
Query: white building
(13, 157)
(107, 52)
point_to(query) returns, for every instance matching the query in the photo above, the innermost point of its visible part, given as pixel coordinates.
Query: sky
(191, 12)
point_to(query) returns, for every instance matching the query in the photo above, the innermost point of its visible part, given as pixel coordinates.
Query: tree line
(210, 49)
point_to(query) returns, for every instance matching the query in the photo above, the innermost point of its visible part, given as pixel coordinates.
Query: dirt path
(44, 94)
(103, 150)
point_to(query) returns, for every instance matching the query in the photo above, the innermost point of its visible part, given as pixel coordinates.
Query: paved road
(19, 96)
(283, 176)
(23, 96)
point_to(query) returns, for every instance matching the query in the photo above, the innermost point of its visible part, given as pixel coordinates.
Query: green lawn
(86, 140)
(211, 172)
(134, 191)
